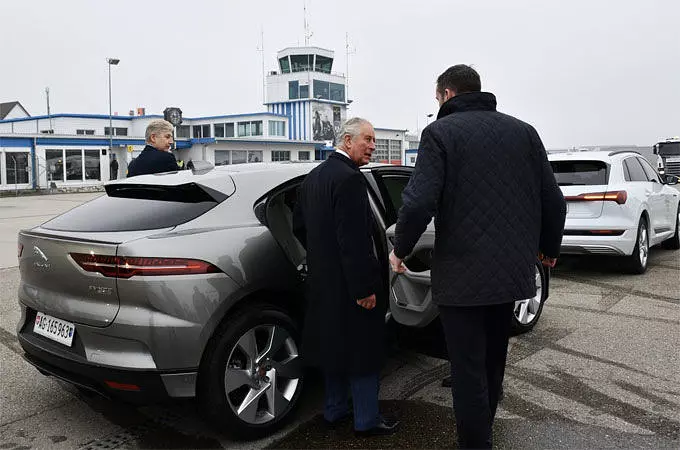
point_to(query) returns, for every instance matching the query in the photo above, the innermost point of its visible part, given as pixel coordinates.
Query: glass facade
(74, 165)
(226, 157)
(85, 132)
(183, 131)
(221, 157)
(277, 128)
(54, 160)
(303, 156)
(329, 91)
(254, 156)
(395, 150)
(301, 63)
(323, 64)
(92, 165)
(253, 128)
(381, 153)
(116, 131)
(201, 131)
(280, 155)
(219, 130)
(239, 156)
(284, 64)
(229, 131)
(304, 91)
(16, 167)
(293, 88)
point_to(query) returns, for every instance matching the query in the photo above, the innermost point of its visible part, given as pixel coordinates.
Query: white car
(617, 204)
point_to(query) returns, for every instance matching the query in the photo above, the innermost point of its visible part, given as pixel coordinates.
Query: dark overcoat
(334, 223)
(486, 179)
(152, 160)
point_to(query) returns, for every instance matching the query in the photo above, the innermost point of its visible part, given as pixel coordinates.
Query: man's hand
(546, 261)
(368, 302)
(396, 263)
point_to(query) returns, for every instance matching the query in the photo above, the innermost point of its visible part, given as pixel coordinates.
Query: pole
(110, 115)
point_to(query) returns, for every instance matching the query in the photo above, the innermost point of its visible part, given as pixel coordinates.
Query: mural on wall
(326, 121)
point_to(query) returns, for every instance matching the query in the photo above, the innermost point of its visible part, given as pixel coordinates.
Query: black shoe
(338, 423)
(446, 382)
(384, 428)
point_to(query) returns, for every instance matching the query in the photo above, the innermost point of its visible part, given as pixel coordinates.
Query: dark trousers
(364, 399)
(477, 341)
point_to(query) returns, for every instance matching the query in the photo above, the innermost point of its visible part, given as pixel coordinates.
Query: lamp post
(111, 62)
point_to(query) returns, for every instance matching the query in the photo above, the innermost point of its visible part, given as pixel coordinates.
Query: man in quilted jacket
(485, 178)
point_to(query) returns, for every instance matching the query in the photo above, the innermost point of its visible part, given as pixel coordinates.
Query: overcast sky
(583, 72)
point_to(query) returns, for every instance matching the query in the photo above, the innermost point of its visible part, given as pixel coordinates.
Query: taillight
(127, 267)
(619, 197)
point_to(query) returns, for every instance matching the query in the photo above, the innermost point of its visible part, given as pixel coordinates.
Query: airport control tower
(305, 89)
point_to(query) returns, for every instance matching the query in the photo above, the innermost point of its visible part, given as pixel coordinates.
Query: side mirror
(670, 179)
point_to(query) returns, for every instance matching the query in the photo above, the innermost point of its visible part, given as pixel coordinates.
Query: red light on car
(122, 386)
(127, 267)
(619, 197)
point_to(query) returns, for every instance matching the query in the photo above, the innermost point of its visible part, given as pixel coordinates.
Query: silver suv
(189, 284)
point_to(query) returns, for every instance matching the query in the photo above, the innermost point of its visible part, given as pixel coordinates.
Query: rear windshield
(138, 207)
(580, 173)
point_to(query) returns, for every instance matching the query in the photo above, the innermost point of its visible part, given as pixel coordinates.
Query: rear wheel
(637, 261)
(251, 377)
(527, 311)
(673, 243)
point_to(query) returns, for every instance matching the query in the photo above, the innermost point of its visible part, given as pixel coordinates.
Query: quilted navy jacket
(485, 178)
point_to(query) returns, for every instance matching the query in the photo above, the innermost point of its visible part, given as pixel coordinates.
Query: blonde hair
(157, 127)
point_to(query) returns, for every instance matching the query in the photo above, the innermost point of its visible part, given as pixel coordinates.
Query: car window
(391, 187)
(580, 173)
(652, 175)
(137, 207)
(635, 170)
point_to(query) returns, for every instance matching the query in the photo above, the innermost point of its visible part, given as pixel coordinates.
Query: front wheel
(251, 377)
(527, 311)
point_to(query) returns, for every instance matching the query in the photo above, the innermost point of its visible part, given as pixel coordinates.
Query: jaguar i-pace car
(189, 284)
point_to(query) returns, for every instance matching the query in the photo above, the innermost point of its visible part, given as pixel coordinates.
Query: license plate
(56, 329)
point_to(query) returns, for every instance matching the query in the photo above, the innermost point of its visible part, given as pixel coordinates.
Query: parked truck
(668, 156)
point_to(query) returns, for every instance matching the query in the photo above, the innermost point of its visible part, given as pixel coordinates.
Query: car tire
(673, 243)
(637, 261)
(251, 377)
(526, 312)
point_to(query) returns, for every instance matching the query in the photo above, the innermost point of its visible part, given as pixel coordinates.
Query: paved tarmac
(600, 370)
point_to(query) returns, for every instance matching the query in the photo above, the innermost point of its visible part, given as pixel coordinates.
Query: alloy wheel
(526, 310)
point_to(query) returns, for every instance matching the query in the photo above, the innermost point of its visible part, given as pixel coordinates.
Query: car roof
(259, 177)
(591, 155)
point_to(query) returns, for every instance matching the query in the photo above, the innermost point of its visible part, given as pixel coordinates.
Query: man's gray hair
(157, 126)
(352, 128)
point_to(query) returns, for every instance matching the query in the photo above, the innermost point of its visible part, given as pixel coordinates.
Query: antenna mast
(308, 34)
(260, 48)
(348, 51)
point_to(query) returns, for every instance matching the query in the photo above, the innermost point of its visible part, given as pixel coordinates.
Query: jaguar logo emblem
(44, 264)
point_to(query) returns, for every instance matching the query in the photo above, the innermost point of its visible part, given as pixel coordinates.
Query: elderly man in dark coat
(344, 327)
(156, 156)
(486, 179)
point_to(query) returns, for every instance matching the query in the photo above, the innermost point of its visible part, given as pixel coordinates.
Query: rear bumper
(134, 386)
(600, 245)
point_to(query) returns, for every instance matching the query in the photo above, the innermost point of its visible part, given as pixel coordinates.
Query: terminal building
(306, 102)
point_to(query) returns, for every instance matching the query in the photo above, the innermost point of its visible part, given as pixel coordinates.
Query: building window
(254, 156)
(395, 150)
(201, 131)
(92, 165)
(277, 128)
(54, 160)
(47, 131)
(229, 132)
(321, 89)
(293, 89)
(250, 128)
(239, 156)
(222, 157)
(116, 131)
(284, 64)
(280, 155)
(183, 131)
(323, 64)
(301, 63)
(74, 165)
(381, 150)
(16, 167)
(85, 132)
(304, 91)
(219, 130)
(303, 156)
(337, 92)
